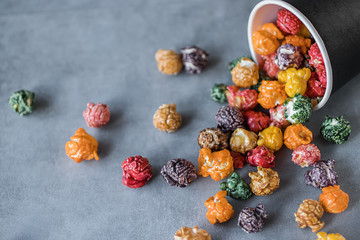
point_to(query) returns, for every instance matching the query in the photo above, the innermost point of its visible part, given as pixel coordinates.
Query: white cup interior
(265, 12)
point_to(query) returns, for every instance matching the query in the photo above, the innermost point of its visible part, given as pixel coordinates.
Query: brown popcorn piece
(166, 118)
(169, 62)
(213, 138)
(309, 214)
(195, 233)
(264, 182)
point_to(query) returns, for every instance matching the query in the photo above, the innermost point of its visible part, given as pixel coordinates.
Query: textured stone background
(72, 52)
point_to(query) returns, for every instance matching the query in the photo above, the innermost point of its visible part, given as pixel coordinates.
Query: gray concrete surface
(73, 52)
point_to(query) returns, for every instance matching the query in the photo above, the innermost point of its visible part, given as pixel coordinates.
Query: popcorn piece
(235, 62)
(264, 42)
(322, 174)
(298, 41)
(136, 171)
(213, 138)
(251, 220)
(264, 182)
(261, 156)
(288, 22)
(297, 109)
(288, 56)
(229, 118)
(271, 94)
(256, 121)
(82, 146)
(179, 172)
(242, 140)
(330, 236)
(195, 233)
(270, 66)
(316, 59)
(217, 165)
(309, 214)
(333, 199)
(297, 135)
(245, 100)
(306, 155)
(277, 117)
(169, 62)
(314, 88)
(335, 129)
(96, 115)
(271, 137)
(166, 118)
(236, 187)
(295, 80)
(273, 30)
(194, 59)
(218, 93)
(22, 102)
(219, 209)
(245, 73)
(238, 159)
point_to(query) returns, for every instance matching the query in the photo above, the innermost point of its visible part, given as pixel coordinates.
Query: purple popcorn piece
(251, 220)
(229, 118)
(288, 56)
(194, 59)
(322, 174)
(179, 172)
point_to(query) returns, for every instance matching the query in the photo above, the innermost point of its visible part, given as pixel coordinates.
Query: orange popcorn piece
(271, 94)
(298, 41)
(82, 146)
(296, 135)
(219, 209)
(333, 199)
(273, 30)
(218, 165)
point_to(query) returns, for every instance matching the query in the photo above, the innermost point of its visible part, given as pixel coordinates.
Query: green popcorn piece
(218, 93)
(22, 102)
(236, 187)
(233, 63)
(335, 129)
(297, 109)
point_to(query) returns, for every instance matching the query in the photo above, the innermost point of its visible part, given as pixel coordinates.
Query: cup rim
(314, 33)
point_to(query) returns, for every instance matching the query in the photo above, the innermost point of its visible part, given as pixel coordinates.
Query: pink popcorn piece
(288, 22)
(96, 115)
(261, 156)
(242, 99)
(306, 155)
(270, 66)
(316, 58)
(277, 117)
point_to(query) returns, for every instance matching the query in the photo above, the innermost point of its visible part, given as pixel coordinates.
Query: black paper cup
(334, 25)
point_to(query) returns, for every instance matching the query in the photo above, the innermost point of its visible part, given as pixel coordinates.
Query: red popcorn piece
(269, 66)
(314, 88)
(245, 100)
(288, 22)
(321, 72)
(261, 156)
(136, 171)
(277, 117)
(306, 155)
(256, 121)
(238, 159)
(316, 58)
(96, 115)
